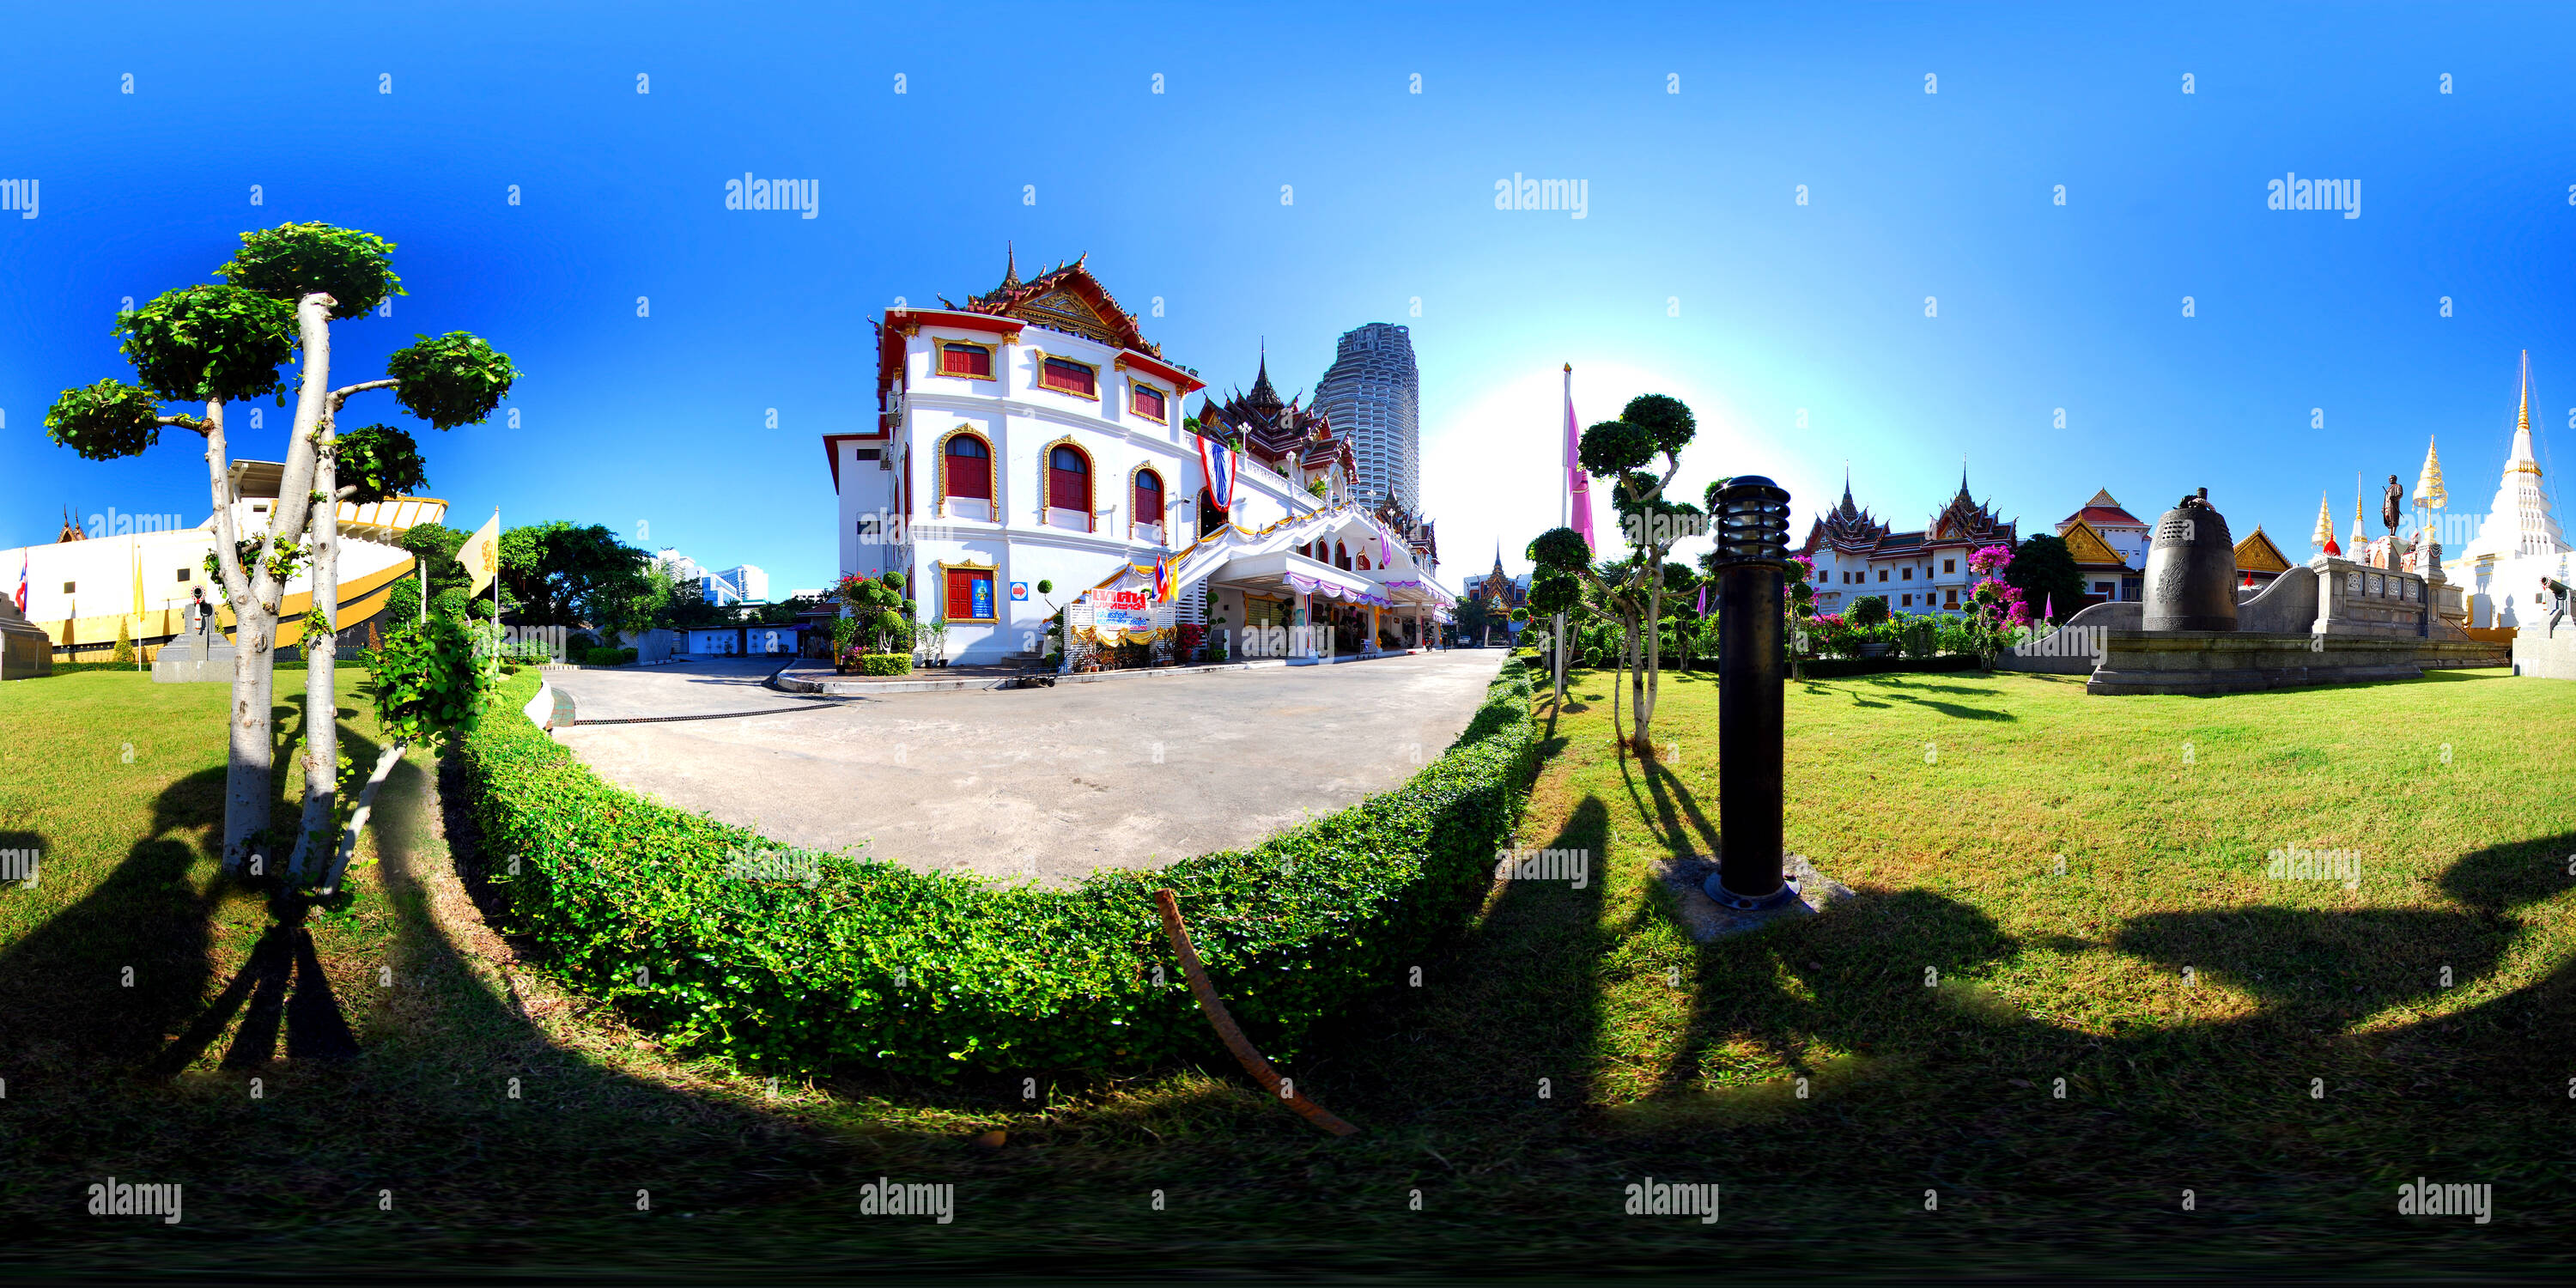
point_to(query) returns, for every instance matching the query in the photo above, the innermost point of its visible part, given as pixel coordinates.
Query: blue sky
(1694, 271)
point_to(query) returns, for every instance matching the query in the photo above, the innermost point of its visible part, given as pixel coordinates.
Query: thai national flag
(1163, 581)
(22, 583)
(1219, 462)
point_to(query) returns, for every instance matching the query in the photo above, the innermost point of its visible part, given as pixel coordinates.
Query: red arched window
(1341, 556)
(1364, 563)
(970, 468)
(1069, 486)
(1149, 497)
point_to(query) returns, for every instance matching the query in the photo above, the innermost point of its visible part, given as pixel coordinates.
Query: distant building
(1923, 571)
(1500, 593)
(1373, 397)
(739, 584)
(2110, 549)
(743, 582)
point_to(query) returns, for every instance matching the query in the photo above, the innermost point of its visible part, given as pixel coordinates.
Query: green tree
(1868, 610)
(1635, 589)
(433, 548)
(210, 346)
(2044, 570)
(1473, 619)
(562, 575)
(430, 686)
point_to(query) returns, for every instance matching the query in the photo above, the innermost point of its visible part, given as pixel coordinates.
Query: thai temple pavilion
(1922, 571)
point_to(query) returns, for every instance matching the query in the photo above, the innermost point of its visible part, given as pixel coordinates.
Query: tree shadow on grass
(1674, 807)
(101, 980)
(1517, 999)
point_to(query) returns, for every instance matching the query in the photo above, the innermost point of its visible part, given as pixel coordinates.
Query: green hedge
(610, 657)
(885, 663)
(876, 964)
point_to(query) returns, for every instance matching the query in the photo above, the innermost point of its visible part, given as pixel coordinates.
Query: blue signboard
(983, 597)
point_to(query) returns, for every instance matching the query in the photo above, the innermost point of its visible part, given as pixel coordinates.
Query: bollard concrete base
(1709, 921)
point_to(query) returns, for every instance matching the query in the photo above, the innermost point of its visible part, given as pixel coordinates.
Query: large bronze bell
(2191, 570)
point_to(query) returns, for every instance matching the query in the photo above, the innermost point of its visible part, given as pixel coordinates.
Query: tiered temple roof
(1275, 431)
(1416, 531)
(1849, 529)
(1064, 298)
(2102, 511)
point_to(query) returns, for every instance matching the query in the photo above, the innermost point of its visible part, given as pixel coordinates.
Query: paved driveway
(716, 686)
(1042, 783)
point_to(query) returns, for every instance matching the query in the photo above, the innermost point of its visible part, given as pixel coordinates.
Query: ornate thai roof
(1849, 528)
(1274, 430)
(2256, 553)
(2101, 510)
(1064, 298)
(2088, 548)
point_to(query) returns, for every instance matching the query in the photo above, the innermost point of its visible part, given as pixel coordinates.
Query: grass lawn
(1575, 1042)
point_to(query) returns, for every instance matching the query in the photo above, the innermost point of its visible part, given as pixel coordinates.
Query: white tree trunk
(247, 762)
(321, 690)
(385, 761)
(313, 445)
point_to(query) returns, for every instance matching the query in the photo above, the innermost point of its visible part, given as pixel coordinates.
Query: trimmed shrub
(610, 657)
(875, 964)
(885, 663)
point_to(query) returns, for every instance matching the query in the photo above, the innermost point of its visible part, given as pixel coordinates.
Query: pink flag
(1578, 485)
(1703, 599)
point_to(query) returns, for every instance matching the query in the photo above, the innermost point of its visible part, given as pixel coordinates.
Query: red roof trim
(1185, 383)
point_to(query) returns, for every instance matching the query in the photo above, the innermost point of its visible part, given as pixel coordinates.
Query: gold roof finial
(2428, 484)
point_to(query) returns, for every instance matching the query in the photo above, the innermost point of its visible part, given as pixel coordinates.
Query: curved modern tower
(1373, 396)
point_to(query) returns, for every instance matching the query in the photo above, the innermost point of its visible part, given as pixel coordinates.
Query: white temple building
(2518, 544)
(1030, 454)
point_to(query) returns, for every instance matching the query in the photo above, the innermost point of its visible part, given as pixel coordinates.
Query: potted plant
(934, 641)
(844, 630)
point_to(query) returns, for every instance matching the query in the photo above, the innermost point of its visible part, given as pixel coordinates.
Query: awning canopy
(1293, 573)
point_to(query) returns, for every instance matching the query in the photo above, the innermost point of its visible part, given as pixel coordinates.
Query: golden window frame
(992, 358)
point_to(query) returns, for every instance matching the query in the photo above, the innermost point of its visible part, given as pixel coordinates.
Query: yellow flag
(481, 554)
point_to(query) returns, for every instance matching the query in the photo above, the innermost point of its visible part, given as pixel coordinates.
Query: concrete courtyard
(1047, 784)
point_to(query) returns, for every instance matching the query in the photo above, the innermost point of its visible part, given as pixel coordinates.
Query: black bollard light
(1751, 567)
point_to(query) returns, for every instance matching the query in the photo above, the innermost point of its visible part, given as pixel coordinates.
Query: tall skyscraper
(1373, 396)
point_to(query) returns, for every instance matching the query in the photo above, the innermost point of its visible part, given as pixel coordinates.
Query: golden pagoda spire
(2428, 484)
(2523, 461)
(2324, 538)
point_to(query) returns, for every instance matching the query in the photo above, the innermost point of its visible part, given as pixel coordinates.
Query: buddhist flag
(481, 555)
(1163, 581)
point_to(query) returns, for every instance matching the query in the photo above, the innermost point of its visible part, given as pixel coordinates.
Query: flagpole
(1565, 517)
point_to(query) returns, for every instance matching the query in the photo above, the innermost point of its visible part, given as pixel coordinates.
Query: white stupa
(2519, 543)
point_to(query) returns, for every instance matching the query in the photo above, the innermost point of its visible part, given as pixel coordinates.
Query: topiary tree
(215, 345)
(1866, 611)
(1554, 592)
(879, 606)
(1637, 588)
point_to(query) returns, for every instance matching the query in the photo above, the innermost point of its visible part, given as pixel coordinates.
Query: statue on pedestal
(2389, 506)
